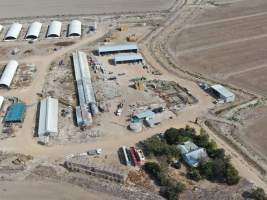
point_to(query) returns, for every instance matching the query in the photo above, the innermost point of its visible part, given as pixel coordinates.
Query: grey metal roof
(128, 57)
(222, 91)
(117, 47)
(145, 114)
(48, 117)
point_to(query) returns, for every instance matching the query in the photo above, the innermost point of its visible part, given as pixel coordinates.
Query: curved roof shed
(1, 28)
(1, 101)
(54, 29)
(75, 28)
(9, 73)
(34, 30)
(13, 31)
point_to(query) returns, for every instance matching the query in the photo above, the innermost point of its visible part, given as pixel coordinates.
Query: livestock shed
(1, 28)
(127, 47)
(86, 94)
(54, 29)
(48, 117)
(13, 32)
(75, 28)
(1, 101)
(128, 58)
(223, 93)
(34, 30)
(15, 113)
(8, 74)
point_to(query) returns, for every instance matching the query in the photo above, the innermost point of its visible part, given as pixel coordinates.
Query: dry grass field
(227, 43)
(13, 8)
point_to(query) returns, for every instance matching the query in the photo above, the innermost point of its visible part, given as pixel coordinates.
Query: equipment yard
(93, 95)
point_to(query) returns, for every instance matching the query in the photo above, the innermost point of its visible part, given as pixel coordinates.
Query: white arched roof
(75, 28)
(34, 30)
(1, 101)
(9, 73)
(1, 28)
(54, 29)
(13, 31)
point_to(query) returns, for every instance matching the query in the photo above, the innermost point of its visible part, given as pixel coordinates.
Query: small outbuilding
(48, 117)
(9, 73)
(13, 32)
(222, 93)
(127, 47)
(128, 58)
(75, 28)
(148, 114)
(54, 29)
(34, 31)
(15, 113)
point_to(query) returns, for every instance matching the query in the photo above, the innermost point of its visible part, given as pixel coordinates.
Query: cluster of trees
(256, 194)
(170, 188)
(218, 168)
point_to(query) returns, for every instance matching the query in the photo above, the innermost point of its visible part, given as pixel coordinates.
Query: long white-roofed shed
(9, 72)
(1, 28)
(127, 57)
(126, 47)
(75, 28)
(54, 29)
(1, 101)
(34, 30)
(223, 93)
(13, 32)
(48, 117)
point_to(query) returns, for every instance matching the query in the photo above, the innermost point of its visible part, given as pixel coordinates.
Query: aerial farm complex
(133, 100)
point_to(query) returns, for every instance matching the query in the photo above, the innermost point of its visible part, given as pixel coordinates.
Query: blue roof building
(192, 154)
(15, 113)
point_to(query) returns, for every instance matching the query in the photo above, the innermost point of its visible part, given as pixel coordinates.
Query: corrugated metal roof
(13, 31)
(187, 147)
(117, 47)
(15, 113)
(48, 117)
(194, 157)
(1, 101)
(128, 57)
(222, 91)
(75, 28)
(9, 73)
(34, 30)
(145, 114)
(54, 29)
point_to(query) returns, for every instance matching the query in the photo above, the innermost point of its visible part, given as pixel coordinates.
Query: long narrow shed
(127, 58)
(110, 48)
(54, 29)
(13, 32)
(48, 117)
(1, 102)
(8, 74)
(34, 30)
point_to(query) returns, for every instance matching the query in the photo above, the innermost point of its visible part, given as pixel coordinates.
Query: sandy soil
(11, 8)
(26, 190)
(226, 43)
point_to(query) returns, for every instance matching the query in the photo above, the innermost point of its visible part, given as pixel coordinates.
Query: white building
(54, 29)
(48, 117)
(223, 93)
(1, 102)
(34, 30)
(1, 28)
(9, 73)
(13, 32)
(75, 28)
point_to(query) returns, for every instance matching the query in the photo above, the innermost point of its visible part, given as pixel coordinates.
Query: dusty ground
(66, 7)
(227, 43)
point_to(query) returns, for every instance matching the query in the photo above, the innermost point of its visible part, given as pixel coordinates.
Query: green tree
(172, 191)
(258, 194)
(194, 174)
(232, 176)
(152, 168)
